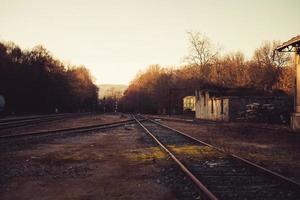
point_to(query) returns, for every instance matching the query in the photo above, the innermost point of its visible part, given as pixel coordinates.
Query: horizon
(115, 40)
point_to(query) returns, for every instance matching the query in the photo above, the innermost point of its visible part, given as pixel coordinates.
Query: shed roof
(217, 92)
(293, 42)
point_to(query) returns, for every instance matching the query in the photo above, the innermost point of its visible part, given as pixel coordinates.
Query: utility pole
(104, 104)
(116, 105)
(170, 102)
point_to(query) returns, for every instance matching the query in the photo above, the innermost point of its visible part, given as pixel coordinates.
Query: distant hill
(109, 89)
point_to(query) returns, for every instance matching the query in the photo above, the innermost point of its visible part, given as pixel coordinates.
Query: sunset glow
(115, 39)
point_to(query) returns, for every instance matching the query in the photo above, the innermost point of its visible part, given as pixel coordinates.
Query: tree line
(159, 89)
(33, 81)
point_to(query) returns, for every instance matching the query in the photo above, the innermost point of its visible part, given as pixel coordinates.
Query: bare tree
(201, 51)
(266, 55)
(230, 70)
(268, 64)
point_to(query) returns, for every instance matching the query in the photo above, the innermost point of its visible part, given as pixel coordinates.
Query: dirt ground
(274, 148)
(119, 163)
(67, 123)
(124, 163)
(105, 165)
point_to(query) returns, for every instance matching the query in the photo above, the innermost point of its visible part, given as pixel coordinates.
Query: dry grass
(145, 154)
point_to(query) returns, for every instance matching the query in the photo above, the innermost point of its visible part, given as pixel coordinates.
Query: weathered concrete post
(293, 45)
(295, 117)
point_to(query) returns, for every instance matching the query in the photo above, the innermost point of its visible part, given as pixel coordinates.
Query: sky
(117, 38)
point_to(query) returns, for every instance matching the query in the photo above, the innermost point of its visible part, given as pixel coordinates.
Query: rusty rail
(69, 130)
(197, 182)
(267, 171)
(18, 122)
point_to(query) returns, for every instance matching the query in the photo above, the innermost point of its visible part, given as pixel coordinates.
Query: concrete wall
(211, 108)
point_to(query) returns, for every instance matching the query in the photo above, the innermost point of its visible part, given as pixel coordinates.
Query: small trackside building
(227, 104)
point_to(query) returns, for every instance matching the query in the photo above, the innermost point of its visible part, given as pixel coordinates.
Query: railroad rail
(20, 118)
(213, 123)
(17, 122)
(217, 174)
(4, 138)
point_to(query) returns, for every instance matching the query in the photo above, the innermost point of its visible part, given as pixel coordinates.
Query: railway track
(213, 123)
(217, 174)
(18, 122)
(20, 118)
(82, 129)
